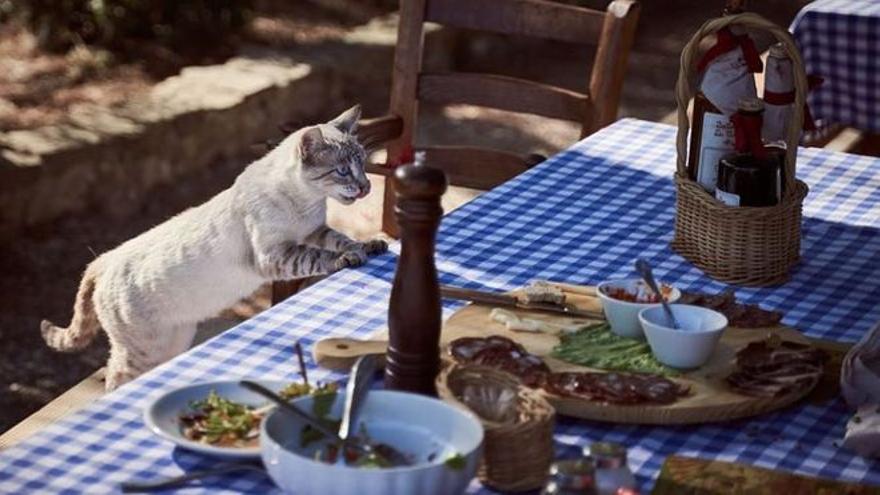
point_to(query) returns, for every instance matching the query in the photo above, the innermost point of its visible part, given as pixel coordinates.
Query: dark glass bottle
(752, 175)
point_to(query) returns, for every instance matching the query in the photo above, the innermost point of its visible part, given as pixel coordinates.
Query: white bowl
(623, 316)
(691, 345)
(427, 429)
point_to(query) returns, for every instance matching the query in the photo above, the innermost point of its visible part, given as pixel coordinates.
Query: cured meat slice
(738, 314)
(716, 302)
(464, 349)
(616, 388)
(765, 354)
(773, 367)
(502, 353)
(751, 316)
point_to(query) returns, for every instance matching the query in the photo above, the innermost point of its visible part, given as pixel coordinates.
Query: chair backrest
(612, 31)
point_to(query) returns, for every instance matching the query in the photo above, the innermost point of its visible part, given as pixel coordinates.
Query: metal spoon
(356, 390)
(283, 404)
(302, 362)
(359, 382)
(388, 453)
(644, 269)
(177, 481)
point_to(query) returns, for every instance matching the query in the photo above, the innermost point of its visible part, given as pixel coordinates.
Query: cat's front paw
(350, 259)
(375, 246)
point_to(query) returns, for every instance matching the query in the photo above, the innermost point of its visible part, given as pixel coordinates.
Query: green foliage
(188, 25)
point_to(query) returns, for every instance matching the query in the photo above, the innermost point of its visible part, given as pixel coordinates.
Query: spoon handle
(283, 404)
(644, 269)
(359, 383)
(164, 484)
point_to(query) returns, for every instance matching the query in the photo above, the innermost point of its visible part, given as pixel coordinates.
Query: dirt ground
(40, 271)
(39, 88)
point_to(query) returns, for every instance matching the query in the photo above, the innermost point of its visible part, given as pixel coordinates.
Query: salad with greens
(219, 421)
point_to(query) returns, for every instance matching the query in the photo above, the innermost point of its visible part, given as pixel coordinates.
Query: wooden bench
(92, 388)
(82, 394)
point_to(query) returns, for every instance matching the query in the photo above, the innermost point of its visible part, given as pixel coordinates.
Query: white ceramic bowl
(623, 316)
(691, 345)
(427, 429)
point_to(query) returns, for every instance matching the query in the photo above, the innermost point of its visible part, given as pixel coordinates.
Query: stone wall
(113, 157)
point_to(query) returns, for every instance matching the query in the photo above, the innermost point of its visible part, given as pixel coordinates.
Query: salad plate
(165, 415)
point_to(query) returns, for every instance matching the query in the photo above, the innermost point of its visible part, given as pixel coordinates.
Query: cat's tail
(84, 325)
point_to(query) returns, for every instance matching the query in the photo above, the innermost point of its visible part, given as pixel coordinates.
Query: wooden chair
(612, 31)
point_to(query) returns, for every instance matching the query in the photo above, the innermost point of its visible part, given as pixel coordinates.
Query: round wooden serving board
(710, 399)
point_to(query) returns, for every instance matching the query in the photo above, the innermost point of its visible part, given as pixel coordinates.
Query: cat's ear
(347, 121)
(310, 143)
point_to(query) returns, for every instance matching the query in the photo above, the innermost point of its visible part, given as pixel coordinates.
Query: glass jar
(571, 477)
(752, 175)
(744, 180)
(612, 472)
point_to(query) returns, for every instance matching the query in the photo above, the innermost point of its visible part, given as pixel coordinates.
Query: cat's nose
(364, 190)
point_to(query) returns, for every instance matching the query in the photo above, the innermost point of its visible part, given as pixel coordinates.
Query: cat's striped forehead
(334, 148)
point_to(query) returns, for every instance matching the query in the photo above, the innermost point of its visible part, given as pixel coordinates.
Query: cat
(149, 293)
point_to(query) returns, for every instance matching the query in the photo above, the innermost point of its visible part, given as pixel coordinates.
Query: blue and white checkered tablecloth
(840, 41)
(583, 216)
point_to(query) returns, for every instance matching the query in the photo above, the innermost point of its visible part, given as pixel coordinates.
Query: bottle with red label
(779, 96)
(752, 174)
(726, 71)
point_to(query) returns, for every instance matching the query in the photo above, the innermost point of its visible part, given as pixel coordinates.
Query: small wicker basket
(518, 446)
(750, 246)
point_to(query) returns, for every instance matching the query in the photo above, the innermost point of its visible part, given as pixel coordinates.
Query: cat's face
(333, 159)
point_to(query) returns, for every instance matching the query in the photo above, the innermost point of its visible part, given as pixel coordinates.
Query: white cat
(149, 293)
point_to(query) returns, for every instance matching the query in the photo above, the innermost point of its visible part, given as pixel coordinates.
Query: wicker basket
(750, 246)
(518, 446)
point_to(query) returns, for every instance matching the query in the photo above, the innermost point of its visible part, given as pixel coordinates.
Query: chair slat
(477, 168)
(380, 130)
(504, 93)
(534, 18)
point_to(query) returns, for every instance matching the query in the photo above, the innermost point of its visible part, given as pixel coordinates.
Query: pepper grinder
(414, 315)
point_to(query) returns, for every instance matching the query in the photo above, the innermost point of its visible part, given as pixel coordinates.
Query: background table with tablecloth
(840, 41)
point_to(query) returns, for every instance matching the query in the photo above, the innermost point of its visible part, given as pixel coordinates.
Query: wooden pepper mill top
(414, 312)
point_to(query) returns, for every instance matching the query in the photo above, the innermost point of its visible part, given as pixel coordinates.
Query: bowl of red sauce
(622, 299)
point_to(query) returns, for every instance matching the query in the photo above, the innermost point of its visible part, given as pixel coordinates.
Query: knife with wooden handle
(508, 301)
(341, 353)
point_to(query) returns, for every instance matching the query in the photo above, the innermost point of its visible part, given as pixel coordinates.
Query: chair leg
(389, 221)
(534, 159)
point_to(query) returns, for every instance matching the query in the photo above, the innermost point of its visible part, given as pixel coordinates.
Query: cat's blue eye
(343, 171)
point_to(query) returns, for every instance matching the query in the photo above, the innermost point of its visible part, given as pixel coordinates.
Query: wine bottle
(726, 77)
(778, 95)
